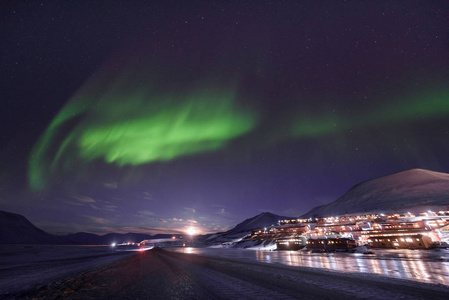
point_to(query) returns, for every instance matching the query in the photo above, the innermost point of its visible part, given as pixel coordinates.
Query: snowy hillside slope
(414, 190)
(244, 228)
(260, 221)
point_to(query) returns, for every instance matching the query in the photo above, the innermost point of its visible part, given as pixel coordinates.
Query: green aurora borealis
(135, 128)
(132, 128)
(422, 106)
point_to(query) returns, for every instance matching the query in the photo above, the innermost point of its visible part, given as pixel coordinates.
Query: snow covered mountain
(414, 190)
(244, 228)
(260, 221)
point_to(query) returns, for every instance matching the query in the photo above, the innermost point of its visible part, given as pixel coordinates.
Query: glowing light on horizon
(191, 231)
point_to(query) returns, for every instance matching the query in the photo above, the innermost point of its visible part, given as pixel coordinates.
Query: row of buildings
(410, 231)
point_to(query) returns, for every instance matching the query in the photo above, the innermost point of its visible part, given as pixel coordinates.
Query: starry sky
(158, 116)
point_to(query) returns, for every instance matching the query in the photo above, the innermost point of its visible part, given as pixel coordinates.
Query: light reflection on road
(419, 265)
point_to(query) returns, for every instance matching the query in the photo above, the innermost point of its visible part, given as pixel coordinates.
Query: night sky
(155, 116)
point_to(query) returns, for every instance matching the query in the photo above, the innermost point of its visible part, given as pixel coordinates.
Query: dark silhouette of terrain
(16, 229)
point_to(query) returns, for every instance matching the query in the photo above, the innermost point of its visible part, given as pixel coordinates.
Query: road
(160, 274)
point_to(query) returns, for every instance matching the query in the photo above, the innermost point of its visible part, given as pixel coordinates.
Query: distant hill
(414, 190)
(262, 220)
(16, 229)
(84, 238)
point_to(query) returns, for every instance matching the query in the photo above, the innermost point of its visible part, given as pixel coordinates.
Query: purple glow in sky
(159, 116)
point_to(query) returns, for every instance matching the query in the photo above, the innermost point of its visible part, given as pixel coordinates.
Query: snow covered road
(161, 274)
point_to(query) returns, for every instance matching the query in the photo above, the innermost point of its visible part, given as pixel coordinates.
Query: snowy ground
(417, 265)
(86, 272)
(23, 267)
(161, 274)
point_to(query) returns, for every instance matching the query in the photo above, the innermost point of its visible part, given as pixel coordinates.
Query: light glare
(191, 231)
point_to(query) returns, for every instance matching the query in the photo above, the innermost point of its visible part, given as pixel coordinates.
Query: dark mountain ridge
(16, 229)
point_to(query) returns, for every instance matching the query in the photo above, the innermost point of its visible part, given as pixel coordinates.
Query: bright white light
(191, 231)
(113, 244)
